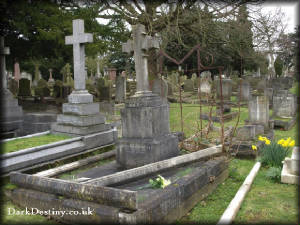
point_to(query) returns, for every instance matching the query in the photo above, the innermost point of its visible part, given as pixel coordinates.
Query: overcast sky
(290, 8)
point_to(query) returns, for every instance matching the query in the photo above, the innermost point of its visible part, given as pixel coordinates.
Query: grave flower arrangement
(159, 182)
(273, 153)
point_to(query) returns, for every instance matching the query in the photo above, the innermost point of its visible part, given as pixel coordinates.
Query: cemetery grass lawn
(270, 202)
(212, 207)
(23, 143)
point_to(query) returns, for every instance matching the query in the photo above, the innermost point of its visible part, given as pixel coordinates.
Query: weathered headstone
(258, 108)
(112, 73)
(80, 115)
(245, 90)
(51, 82)
(24, 87)
(205, 85)
(120, 89)
(11, 112)
(145, 118)
(284, 104)
(188, 85)
(226, 88)
(160, 87)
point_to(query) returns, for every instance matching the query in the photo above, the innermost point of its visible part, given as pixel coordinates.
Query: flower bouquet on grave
(159, 182)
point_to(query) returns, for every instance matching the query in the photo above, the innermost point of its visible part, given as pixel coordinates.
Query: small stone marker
(140, 43)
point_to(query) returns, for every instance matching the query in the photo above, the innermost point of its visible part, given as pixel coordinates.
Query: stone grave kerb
(139, 44)
(3, 51)
(80, 94)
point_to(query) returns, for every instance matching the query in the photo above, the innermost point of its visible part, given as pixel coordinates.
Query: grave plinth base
(146, 132)
(80, 116)
(133, 152)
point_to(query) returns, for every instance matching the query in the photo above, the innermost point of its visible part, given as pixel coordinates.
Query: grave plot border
(285, 125)
(170, 204)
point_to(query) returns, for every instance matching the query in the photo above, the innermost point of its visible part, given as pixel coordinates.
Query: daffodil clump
(159, 182)
(273, 153)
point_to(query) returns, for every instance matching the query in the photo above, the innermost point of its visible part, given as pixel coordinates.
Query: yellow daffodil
(254, 148)
(267, 142)
(280, 142)
(292, 143)
(285, 144)
(288, 140)
(261, 138)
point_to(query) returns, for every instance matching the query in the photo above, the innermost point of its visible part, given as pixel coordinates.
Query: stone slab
(285, 125)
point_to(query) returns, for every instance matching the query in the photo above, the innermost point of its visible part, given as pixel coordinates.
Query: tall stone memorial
(80, 115)
(145, 118)
(11, 117)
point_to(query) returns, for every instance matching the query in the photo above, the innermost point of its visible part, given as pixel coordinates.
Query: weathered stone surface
(81, 109)
(140, 43)
(133, 152)
(258, 108)
(80, 120)
(249, 132)
(245, 90)
(290, 171)
(98, 194)
(78, 130)
(80, 97)
(120, 89)
(155, 167)
(226, 88)
(160, 87)
(188, 85)
(284, 104)
(145, 118)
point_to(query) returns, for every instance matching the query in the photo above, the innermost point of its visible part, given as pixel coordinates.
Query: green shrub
(274, 173)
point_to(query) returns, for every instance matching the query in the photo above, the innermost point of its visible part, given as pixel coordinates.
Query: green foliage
(159, 182)
(278, 64)
(42, 89)
(273, 154)
(274, 173)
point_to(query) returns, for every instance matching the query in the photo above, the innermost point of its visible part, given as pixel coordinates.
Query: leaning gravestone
(160, 87)
(24, 87)
(145, 118)
(81, 115)
(11, 113)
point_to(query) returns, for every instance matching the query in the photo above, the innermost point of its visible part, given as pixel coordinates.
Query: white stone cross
(77, 40)
(3, 51)
(140, 43)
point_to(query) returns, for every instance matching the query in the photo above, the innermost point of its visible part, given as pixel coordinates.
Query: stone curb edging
(38, 148)
(27, 136)
(235, 204)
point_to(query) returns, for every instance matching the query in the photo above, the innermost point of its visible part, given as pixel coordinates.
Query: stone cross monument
(11, 113)
(146, 135)
(140, 43)
(81, 115)
(80, 94)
